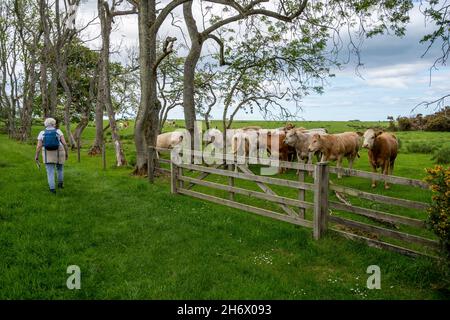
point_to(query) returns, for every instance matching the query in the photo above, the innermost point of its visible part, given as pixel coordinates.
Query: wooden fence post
(104, 155)
(231, 182)
(320, 199)
(301, 193)
(180, 174)
(151, 164)
(173, 177)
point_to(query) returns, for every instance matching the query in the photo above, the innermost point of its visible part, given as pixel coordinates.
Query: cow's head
(212, 135)
(316, 143)
(369, 138)
(291, 138)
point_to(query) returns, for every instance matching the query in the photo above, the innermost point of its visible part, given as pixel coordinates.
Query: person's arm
(38, 149)
(66, 149)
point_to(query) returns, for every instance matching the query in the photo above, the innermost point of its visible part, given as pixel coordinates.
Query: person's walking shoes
(53, 191)
(60, 185)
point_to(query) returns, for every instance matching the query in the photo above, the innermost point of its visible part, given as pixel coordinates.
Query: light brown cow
(280, 149)
(336, 147)
(383, 149)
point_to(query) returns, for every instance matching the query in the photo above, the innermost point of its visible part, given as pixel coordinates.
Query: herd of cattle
(289, 143)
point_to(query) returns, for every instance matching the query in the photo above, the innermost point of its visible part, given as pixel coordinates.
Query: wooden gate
(323, 211)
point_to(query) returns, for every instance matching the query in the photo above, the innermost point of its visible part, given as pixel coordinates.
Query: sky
(393, 80)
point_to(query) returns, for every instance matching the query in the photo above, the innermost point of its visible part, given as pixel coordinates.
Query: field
(133, 240)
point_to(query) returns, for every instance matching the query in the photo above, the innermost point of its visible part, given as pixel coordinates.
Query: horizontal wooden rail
(383, 216)
(384, 232)
(163, 170)
(237, 159)
(164, 160)
(380, 198)
(250, 193)
(380, 177)
(250, 177)
(245, 207)
(381, 244)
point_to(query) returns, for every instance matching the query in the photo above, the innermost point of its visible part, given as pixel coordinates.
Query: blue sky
(393, 80)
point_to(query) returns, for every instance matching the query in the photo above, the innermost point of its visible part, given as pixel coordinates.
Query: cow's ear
(359, 133)
(378, 132)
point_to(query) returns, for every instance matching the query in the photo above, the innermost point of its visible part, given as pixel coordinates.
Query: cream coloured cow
(169, 140)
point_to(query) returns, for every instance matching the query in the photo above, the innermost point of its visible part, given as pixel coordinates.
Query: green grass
(133, 240)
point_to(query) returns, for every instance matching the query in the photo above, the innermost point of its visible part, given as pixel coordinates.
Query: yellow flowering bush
(439, 211)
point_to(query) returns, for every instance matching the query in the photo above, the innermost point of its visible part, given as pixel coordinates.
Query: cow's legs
(374, 170)
(298, 160)
(391, 167)
(310, 161)
(284, 157)
(350, 162)
(339, 166)
(386, 172)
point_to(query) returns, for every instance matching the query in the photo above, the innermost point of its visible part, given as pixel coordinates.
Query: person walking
(54, 152)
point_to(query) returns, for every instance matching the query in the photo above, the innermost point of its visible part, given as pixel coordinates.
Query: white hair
(49, 122)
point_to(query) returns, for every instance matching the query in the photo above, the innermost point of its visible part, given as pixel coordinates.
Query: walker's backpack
(51, 140)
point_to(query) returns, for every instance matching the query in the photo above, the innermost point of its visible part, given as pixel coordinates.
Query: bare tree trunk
(84, 121)
(146, 127)
(43, 10)
(104, 80)
(96, 148)
(189, 70)
(67, 104)
(53, 103)
(29, 92)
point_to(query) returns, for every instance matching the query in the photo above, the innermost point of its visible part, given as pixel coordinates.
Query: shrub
(439, 211)
(420, 147)
(442, 155)
(404, 123)
(438, 123)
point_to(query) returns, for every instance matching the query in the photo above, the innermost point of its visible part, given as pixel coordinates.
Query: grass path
(133, 240)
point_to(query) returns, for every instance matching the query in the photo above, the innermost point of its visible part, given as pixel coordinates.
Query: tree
(170, 85)
(438, 13)
(83, 72)
(107, 14)
(29, 35)
(147, 120)
(288, 19)
(9, 59)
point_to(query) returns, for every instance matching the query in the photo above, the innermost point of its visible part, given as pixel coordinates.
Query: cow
(211, 135)
(300, 141)
(336, 147)
(244, 141)
(169, 140)
(383, 149)
(283, 149)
